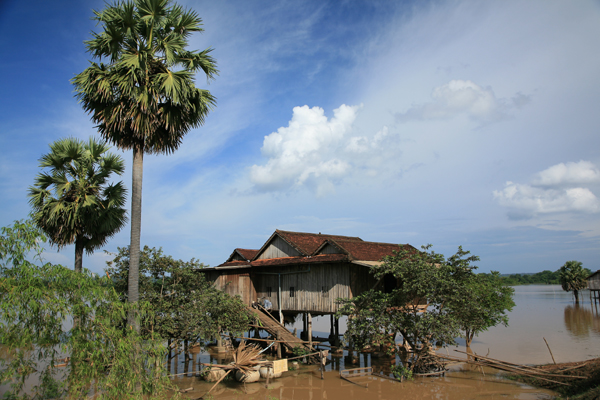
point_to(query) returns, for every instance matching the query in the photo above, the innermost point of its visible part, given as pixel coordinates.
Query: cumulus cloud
(569, 174)
(463, 97)
(554, 190)
(316, 152)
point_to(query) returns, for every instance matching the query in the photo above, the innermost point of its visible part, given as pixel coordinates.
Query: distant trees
(73, 200)
(573, 278)
(435, 300)
(144, 97)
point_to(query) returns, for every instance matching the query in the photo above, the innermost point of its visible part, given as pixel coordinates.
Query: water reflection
(581, 320)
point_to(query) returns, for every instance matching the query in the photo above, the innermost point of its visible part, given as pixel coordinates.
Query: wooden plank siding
(234, 283)
(278, 248)
(594, 281)
(315, 291)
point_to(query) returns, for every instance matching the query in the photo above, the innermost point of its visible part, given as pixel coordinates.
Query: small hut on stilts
(593, 282)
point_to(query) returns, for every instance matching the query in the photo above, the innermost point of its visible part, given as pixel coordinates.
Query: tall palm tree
(572, 278)
(73, 201)
(144, 98)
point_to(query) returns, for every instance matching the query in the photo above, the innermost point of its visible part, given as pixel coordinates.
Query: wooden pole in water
(322, 362)
(337, 332)
(304, 326)
(331, 328)
(309, 330)
(552, 355)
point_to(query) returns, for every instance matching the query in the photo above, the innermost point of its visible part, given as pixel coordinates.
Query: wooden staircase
(279, 331)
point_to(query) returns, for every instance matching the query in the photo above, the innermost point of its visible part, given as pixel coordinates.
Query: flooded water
(572, 332)
(541, 311)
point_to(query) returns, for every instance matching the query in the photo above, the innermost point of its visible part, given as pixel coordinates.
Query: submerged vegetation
(100, 352)
(435, 301)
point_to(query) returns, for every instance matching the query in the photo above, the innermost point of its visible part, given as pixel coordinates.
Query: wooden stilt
(309, 330)
(337, 332)
(331, 328)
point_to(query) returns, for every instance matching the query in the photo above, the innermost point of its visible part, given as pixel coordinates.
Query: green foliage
(572, 277)
(486, 305)
(401, 372)
(145, 97)
(300, 351)
(72, 200)
(37, 303)
(186, 306)
(545, 277)
(445, 286)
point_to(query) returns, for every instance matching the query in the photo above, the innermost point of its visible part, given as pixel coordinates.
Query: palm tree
(144, 98)
(572, 278)
(73, 201)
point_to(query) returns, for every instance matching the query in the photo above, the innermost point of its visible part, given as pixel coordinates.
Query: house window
(324, 291)
(269, 291)
(292, 291)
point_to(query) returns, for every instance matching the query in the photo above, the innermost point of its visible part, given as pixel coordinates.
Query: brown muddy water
(544, 311)
(541, 311)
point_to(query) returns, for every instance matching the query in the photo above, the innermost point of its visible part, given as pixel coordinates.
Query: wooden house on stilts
(303, 273)
(593, 282)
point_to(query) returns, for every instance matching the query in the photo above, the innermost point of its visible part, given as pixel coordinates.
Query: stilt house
(593, 282)
(303, 272)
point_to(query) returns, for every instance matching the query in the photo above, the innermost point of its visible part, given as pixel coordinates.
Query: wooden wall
(278, 248)
(234, 283)
(315, 291)
(594, 282)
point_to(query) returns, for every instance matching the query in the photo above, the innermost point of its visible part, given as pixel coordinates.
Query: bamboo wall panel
(278, 248)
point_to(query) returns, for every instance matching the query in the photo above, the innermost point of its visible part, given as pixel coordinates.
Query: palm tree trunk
(79, 254)
(136, 227)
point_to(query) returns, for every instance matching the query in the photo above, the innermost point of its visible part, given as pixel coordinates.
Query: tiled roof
(310, 246)
(234, 263)
(323, 258)
(248, 254)
(307, 243)
(368, 251)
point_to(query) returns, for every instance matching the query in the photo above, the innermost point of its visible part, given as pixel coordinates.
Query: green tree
(73, 201)
(427, 307)
(145, 98)
(37, 301)
(572, 278)
(487, 302)
(187, 308)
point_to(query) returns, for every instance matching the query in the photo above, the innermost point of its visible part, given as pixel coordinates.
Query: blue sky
(445, 122)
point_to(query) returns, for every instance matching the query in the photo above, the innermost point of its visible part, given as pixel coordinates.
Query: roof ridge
(318, 234)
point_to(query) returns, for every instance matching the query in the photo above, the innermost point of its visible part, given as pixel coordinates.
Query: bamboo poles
(519, 369)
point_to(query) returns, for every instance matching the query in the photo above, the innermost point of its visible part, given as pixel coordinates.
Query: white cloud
(554, 190)
(305, 152)
(569, 174)
(459, 97)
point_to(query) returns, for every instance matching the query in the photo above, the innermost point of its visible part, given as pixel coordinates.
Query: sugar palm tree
(73, 201)
(144, 97)
(572, 278)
